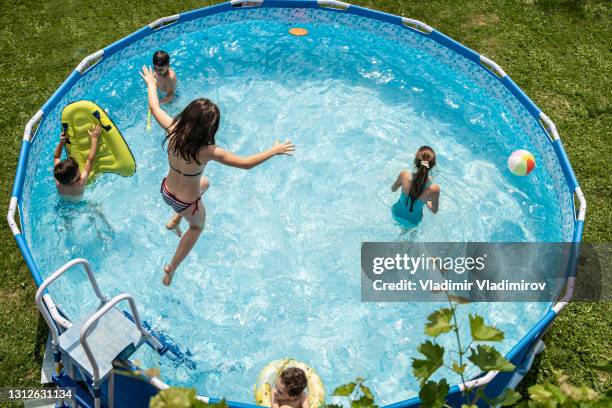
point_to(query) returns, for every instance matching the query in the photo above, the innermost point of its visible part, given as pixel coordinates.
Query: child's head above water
(291, 383)
(424, 160)
(67, 171)
(425, 157)
(193, 129)
(161, 62)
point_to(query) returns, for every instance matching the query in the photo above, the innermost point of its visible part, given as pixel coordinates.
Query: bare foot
(168, 274)
(174, 224)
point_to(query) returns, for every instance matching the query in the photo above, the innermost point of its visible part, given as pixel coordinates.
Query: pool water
(277, 271)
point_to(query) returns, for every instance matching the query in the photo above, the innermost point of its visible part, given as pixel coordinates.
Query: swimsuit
(401, 210)
(184, 174)
(176, 204)
(170, 199)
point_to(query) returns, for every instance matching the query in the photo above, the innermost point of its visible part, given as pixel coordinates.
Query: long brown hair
(424, 160)
(193, 129)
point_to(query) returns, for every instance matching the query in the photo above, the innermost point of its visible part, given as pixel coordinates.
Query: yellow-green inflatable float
(267, 380)
(113, 156)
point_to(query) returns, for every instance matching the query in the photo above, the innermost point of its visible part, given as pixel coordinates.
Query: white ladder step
(111, 336)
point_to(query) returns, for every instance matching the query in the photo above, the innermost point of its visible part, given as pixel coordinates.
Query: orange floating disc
(298, 31)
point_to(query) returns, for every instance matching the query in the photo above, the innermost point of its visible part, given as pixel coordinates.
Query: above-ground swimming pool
(277, 271)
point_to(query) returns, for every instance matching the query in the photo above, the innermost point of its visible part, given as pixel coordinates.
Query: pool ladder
(95, 341)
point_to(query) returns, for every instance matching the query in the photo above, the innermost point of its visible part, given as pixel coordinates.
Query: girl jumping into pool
(417, 190)
(191, 145)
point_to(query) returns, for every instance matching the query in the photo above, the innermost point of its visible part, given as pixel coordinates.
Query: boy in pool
(166, 77)
(69, 179)
(289, 389)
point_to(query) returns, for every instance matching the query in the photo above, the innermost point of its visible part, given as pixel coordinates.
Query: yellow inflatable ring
(267, 380)
(113, 156)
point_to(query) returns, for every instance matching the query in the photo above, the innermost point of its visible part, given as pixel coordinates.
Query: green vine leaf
(344, 390)
(174, 398)
(459, 369)
(424, 368)
(363, 402)
(366, 391)
(508, 398)
(488, 359)
(482, 332)
(545, 393)
(432, 394)
(439, 322)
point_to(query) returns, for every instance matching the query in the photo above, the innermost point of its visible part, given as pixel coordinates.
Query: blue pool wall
(526, 113)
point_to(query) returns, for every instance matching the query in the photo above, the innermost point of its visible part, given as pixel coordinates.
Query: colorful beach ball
(521, 162)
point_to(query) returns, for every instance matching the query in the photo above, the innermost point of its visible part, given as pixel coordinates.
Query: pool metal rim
(332, 6)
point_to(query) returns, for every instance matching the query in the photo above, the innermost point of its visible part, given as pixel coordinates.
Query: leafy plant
(181, 398)
(566, 395)
(357, 394)
(483, 356)
(487, 358)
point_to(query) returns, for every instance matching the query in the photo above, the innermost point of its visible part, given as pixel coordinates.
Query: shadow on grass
(40, 341)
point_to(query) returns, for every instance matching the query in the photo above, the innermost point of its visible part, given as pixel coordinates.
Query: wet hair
(193, 129)
(161, 58)
(294, 380)
(66, 171)
(424, 160)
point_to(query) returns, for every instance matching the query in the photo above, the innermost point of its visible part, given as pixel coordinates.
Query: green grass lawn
(558, 52)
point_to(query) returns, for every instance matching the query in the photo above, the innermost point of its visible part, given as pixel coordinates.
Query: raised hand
(148, 76)
(64, 138)
(95, 132)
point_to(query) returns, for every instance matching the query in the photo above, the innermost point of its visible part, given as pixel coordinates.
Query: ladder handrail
(41, 291)
(95, 317)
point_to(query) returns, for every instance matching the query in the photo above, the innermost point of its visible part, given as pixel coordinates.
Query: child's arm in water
(434, 201)
(402, 178)
(58, 149)
(228, 158)
(93, 134)
(159, 114)
(171, 88)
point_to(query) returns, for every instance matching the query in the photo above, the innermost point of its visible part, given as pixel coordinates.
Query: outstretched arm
(57, 154)
(93, 134)
(228, 158)
(159, 114)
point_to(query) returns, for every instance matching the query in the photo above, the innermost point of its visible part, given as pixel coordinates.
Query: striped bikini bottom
(176, 204)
